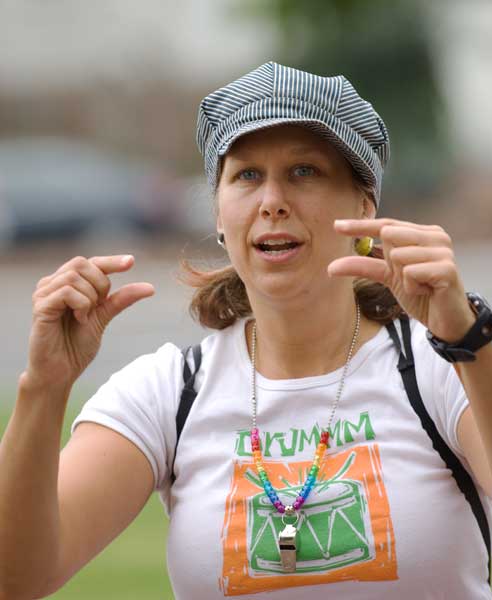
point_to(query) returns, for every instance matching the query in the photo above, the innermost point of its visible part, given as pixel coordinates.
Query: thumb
(358, 266)
(122, 299)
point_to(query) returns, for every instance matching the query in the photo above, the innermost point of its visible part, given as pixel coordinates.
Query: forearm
(476, 378)
(29, 513)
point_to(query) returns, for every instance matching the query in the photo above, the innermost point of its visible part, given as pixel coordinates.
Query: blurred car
(59, 188)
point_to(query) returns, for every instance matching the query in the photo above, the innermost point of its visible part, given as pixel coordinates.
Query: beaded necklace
(287, 537)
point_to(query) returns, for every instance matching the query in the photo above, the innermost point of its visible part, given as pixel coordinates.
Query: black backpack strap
(406, 366)
(188, 395)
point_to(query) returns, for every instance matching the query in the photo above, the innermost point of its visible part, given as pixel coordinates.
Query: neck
(293, 344)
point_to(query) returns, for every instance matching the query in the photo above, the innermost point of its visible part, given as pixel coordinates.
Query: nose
(273, 202)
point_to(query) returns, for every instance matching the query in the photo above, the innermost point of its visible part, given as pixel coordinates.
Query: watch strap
(477, 336)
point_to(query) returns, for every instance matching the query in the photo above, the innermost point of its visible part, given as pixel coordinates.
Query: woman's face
(286, 185)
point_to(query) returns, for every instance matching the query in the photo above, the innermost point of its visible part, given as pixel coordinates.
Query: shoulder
(224, 342)
(440, 387)
(158, 364)
(431, 371)
(423, 351)
(430, 368)
(420, 344)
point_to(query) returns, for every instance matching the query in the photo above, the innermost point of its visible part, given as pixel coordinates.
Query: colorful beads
(308, 484)
(298, 502)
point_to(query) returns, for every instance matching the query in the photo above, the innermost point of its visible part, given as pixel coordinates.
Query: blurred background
(98, 104)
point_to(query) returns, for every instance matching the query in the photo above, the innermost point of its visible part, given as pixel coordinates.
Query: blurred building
(47, 45)
(128, 76)
(62, 49)
(123, 74)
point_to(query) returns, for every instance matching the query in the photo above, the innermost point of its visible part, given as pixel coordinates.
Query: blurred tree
(382, 48)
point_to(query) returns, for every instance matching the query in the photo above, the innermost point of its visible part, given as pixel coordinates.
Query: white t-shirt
(385, 520)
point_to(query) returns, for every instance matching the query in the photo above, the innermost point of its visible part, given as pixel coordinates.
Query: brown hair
(221, 298)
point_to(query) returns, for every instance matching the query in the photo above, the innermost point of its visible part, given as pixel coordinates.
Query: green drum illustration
(334, 528)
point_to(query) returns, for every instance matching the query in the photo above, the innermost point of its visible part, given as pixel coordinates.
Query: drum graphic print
(334, 528)
(344, 529)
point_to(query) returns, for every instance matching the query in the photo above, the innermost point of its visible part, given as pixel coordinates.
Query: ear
(219, 224)
(368, 208)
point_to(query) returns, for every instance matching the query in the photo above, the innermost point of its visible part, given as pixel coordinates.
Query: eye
(304, 171)
(248, 174)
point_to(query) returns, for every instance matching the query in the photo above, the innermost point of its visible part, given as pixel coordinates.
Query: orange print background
(237, 577)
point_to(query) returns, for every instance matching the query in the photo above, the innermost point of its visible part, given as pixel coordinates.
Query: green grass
(133, 565)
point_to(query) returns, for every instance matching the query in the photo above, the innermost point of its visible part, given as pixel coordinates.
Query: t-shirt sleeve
(455, 401)
(140, 403)
(441, 388)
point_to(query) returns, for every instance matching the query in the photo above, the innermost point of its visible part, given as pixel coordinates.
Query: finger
(94, 265)
(96, 269)
(359, 266)
(406, 255)
(73, 279)
(113, 264)
(102, 266)
(53, 306)
(44, 281)
(122, 299)
(107, 264)
(372, 227)
(83, 271)
(395, 235)
(422, 277)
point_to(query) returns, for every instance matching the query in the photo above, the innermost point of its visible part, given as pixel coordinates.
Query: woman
(302, 466)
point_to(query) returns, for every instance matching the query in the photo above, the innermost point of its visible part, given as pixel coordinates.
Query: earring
(363, 246)
(221, 239)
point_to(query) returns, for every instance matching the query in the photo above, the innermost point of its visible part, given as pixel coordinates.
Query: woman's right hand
(71, 309)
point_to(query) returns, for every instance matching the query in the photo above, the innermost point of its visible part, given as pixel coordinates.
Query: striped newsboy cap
(272, 95)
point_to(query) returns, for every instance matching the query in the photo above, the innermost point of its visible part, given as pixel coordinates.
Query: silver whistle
(287, 545)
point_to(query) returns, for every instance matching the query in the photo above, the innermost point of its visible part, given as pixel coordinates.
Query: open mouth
(274, 249)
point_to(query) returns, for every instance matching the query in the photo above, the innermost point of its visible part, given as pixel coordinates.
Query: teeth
(277, 251)
(277, 242)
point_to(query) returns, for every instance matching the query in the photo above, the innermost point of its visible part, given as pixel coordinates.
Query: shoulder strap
(188, 395)
(406, 366)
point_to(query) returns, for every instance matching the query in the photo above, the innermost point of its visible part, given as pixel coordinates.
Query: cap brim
(319, 127)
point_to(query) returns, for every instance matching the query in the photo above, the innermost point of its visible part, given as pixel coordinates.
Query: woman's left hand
(418, 267)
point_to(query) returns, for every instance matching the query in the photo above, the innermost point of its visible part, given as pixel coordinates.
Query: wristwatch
(479, 335)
